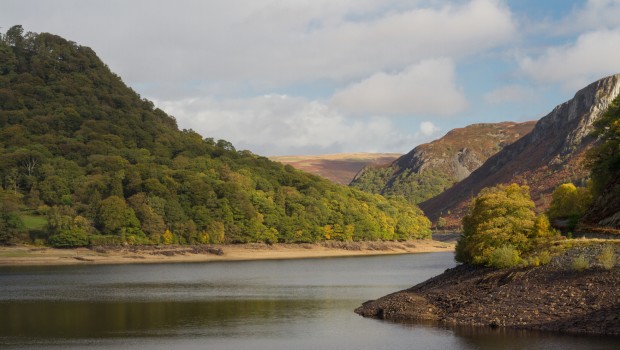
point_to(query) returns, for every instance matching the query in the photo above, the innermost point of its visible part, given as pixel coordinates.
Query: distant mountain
(85, 160)
(339, 168)
(432, 167)
(550, 155)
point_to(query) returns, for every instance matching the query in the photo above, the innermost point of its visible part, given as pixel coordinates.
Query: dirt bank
(29, 255)
(553, 297)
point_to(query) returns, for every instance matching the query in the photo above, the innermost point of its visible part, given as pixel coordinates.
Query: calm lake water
(280, 304)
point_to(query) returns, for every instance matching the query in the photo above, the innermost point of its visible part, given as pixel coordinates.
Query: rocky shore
(554, 297)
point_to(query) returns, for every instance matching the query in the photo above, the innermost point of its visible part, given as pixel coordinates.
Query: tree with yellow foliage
(501, 222)
(569, 200)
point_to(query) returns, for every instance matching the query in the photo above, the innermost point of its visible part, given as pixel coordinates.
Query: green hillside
(101, 165)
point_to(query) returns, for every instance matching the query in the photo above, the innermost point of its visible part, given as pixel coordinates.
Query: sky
(295, 77)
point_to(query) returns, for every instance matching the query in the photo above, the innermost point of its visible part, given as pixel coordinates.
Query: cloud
(268, 43)
(593, 15)
(510, 94)
(593, 56)
(428, 128)
(283, 125)
(424, 88)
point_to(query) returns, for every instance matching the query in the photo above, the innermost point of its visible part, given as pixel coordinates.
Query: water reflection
(51, 319)
(295, 304)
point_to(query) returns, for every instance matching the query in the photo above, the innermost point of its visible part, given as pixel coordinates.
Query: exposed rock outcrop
(549, 155)
(552, 297)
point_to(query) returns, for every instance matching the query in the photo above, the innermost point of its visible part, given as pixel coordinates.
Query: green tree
(114, 216)
(10, 223)
(604, 159)
(499, 217)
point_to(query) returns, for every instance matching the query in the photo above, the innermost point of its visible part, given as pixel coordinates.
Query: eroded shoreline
(32, 255)
(554, 297)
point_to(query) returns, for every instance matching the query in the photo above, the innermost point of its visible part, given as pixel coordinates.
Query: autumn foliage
(501, 228)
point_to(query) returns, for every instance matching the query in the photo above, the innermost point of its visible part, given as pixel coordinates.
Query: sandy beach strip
(32, 255)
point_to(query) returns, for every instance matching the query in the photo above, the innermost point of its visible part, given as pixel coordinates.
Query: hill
(432, 167)
(338, 168)
(550, 155)
(86, 160)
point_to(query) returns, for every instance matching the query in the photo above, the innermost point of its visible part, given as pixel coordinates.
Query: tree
(604, 159)
(499, 217)
(114, 216)
(569, 201)
(10, 222)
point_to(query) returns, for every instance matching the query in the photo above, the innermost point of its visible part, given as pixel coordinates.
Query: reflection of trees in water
(83, 319)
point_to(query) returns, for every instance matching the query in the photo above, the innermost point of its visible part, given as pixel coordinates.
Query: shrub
(504, 257)
(545, 258)
(69, 239)
(580, 263)
(607, 258)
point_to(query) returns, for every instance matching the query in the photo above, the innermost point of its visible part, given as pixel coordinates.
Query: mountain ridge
(551, 154)
(430, 168)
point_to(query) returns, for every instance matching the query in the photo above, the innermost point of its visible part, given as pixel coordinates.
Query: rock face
(548, 156)
(552, 297)
(432, 167)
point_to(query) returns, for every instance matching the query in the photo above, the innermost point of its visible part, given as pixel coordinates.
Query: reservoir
(275, 304)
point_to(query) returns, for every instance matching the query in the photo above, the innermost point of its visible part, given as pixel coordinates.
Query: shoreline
(554, 297)
(26, 255)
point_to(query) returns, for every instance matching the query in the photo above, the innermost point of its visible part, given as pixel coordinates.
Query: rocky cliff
(432, 167)
(549, 155)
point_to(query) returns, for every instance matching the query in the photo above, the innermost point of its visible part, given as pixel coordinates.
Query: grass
(580, 263)
(34, 222)
(15, 254)
(607, 258)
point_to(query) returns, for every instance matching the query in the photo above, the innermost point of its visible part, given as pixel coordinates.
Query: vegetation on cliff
(604, 160)
(605, 168)
(85, 160)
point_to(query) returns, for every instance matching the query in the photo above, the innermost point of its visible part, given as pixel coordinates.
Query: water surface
(279, 304)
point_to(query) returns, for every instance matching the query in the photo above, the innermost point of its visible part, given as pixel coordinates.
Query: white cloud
(593, 15)
(281, 125)
(172, 51)
(510, 94)
(266, 42)
(593, 56)
(424, 88)
(428, 128)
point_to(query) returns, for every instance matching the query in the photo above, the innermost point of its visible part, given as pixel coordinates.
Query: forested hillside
(85, 160)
